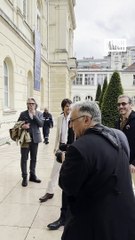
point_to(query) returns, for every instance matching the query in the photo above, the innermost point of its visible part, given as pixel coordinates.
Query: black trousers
(46, 131)
(32, 149)
(64, 208)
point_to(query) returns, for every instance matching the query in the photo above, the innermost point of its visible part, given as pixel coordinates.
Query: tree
(105, 84)
(98, 93)
(109, 105)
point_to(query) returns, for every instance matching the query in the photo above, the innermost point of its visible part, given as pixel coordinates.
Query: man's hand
(26, 126)
(63, 156)
(132, 168)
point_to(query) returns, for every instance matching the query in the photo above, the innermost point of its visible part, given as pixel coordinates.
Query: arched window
(89, 98)
(76, 99)
(30, 84)
(6, 86)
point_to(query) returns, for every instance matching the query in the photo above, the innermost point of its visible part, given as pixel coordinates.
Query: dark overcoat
(48, 121)
(96, 178)
(35, 124)
(129, 130)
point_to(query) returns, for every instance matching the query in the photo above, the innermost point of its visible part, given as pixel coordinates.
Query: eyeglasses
(74, 119)
(122, 103)
(30, 103)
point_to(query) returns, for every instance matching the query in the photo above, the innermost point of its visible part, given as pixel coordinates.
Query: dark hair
(64, 102)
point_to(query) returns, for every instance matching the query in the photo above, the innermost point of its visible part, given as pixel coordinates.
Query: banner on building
(115, 45)
(37, 66)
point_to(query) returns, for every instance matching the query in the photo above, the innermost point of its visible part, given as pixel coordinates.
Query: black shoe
(46, 197)
(34, 179)
(24, 182)
(57, 224)
(46, 142)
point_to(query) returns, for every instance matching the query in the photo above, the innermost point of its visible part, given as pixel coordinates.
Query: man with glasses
(95, 177)
(33, 120)
(126, 123)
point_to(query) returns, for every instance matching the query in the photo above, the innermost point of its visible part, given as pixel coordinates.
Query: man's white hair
(88, 108)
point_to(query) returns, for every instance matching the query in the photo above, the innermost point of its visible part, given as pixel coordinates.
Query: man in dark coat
(96, 178)
(48, 123)
(126, 123)
(33, 121)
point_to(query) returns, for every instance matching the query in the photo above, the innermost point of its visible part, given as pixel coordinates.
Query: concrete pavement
(22, 216)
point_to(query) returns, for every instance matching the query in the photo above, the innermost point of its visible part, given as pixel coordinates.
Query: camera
(58, 155)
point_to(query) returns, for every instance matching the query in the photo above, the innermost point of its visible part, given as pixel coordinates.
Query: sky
(99, 20)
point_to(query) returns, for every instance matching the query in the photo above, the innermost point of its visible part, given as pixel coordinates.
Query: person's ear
(87, 119)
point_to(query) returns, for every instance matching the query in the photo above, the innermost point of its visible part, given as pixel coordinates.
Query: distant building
(120, 60)
(91, 72)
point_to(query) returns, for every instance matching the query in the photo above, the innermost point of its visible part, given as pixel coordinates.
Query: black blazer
(129, 130)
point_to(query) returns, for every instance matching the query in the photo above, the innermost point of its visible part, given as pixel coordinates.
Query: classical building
(91, 72)
(121, 60)
(36, 45)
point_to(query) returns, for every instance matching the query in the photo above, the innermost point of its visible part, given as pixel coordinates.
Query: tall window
(6, 86)
(78, 80)
(30, 84)
(89, 79)
(25, 9)
(38, 16)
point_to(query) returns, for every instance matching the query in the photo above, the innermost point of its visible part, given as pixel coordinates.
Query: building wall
(55, 21)
(61, 28)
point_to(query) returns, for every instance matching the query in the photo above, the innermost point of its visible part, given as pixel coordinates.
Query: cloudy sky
(98, 20)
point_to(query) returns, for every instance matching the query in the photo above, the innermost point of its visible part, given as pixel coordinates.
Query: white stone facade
(85, 85)
(41, 32)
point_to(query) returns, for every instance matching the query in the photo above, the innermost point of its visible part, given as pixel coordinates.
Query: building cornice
(98, 70)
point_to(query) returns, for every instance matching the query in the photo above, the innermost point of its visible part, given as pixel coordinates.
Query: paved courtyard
(22, 216)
